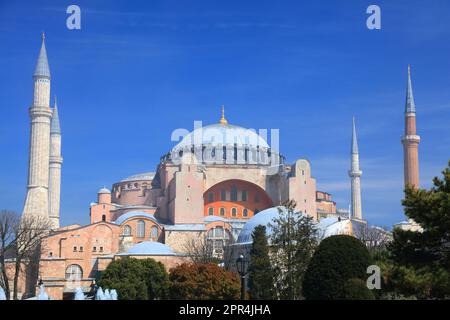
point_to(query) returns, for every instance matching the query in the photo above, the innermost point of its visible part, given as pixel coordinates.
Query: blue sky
(138, 70)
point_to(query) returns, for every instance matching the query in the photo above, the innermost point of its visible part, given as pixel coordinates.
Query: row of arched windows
(234, 212)
(233, 195)
(140, 232)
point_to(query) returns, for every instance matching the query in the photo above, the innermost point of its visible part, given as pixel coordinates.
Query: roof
(140, 176)
(222, 134)
(104, 191)
(149, 248)
(410, 106)
(54, 125)
(354, 139)
(42, 69)
(133, 214)
(185, 227)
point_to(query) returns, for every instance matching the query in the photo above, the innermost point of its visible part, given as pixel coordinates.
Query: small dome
(140, 177)
(104, 191)
(150, 248)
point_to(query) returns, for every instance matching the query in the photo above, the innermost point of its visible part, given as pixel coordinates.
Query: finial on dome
(222, 118)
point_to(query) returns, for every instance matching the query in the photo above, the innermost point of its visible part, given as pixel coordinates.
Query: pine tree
(422, 259)
(293, 241)
(261, 280)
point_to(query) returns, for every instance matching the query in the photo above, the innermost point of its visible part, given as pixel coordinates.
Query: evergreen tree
(261, 280)
(422, 259)
(293, 241)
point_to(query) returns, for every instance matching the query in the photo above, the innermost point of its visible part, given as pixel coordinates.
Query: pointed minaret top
(42, 69)
(54, 126)
(410, 105)
(354, 139)
(222, 118)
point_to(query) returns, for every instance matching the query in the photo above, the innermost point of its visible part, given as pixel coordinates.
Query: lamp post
(241, 265)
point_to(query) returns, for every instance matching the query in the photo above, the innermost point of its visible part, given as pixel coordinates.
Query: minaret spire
(36, 201)
(410, 140)
(55, 163)
(42, 68)
(355, 177)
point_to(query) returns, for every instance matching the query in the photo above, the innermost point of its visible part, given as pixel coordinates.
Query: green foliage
(356, 289)
(261, 276)
(293, 242)
(203, 282)
(136, 279)
(337, 260)
(421, 260)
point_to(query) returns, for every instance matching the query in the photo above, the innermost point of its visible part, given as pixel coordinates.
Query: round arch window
(74, 273)
(127, 230)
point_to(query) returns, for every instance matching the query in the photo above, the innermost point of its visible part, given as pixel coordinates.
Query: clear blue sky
(138, 70)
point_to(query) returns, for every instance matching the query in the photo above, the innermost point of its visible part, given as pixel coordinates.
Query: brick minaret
(410, 140)
(36, 201)
(54, 187)
(355, 176)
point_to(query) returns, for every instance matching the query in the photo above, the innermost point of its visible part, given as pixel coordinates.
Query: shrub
(337, 260)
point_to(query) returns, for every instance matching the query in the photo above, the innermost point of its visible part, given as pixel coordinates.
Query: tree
(421, 259)
(203, 282)
(356, 289)
(200, 250)
(136, 279)
(293, 241)
(376, 239)
(20, 240)
(261, 276)
(337, 260)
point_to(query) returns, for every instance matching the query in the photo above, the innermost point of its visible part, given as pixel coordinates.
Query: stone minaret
(410, 140)
(355, 176)
(36, 201)
(54, 186)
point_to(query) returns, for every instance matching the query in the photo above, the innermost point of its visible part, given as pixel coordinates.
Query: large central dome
(222, 135)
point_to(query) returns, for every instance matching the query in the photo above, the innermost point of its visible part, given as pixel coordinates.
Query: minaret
(410, 140)
(54, 186)
(355, 176)
(36, 201)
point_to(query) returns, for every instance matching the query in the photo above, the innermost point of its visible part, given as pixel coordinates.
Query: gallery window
(223, 195)
(211, 197)
(234, 212)
(222, 212)
(245, 212)
(140, 229)
(211, 211)
(244, 195)
(233, 193)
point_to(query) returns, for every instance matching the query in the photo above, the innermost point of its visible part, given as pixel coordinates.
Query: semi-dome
(149, 248)
(104, 191)
(133, 214)
(264, 218)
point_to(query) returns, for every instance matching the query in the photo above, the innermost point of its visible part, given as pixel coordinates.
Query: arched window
(211, 197)
(245, 212)
(224, 153)
(223, 195)
(154, 233)
(140, 229)
(222, 211)
(211, 211)
(217, 239)
(234, 212)
(103, 217)
(74, 273)
(244, 195)
(233, 194)
(127, 230)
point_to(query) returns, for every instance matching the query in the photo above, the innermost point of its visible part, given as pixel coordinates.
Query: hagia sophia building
(217, 183)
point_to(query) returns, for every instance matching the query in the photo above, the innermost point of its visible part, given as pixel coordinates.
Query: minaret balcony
(410, 139)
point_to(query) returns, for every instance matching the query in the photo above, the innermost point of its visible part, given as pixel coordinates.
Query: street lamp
(241, 265)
